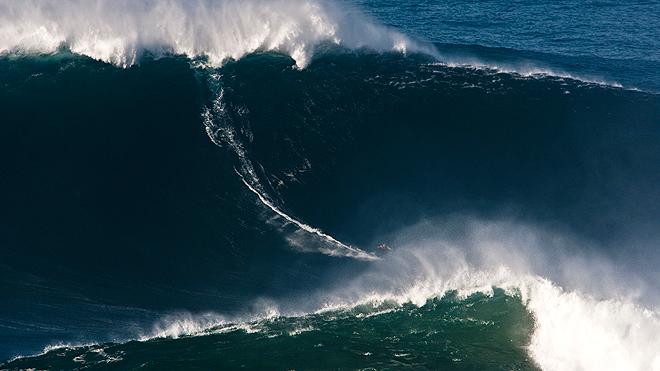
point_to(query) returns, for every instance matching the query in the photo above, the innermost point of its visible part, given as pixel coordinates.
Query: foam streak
(352, 251)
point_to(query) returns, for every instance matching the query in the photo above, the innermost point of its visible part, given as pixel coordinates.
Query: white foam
(221, 130)
(183, 324)
(578, 332)
(525, 70)
(575, 329)
(54, 347)
(339, 248)
(586, 324)
(120, 31)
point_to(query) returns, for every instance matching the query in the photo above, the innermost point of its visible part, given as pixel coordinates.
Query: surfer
(383, 247)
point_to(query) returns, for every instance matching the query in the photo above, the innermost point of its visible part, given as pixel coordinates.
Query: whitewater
(573, 329)
(120, 32)
(213, 32)
(220, 129)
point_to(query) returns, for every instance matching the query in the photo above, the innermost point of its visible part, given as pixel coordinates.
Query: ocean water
(329, 185)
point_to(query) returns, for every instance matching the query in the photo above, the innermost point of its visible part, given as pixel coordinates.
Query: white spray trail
(219, 128)
(350, 251)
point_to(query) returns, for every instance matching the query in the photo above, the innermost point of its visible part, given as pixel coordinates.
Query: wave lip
(120, 31)
(571, 330)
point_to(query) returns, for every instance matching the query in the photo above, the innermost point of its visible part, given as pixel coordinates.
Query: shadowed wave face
(196, 183)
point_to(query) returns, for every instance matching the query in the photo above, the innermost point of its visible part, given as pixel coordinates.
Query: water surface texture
(329, 185)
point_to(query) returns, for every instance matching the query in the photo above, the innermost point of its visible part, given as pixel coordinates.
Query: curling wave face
(120, 32)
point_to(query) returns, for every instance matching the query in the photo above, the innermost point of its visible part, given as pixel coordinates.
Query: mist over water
(575, 295)
(209, 180)
(120, 32)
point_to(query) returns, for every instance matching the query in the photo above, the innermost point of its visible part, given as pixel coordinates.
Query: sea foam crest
(575, 328)
(587, 316)
(120, 31)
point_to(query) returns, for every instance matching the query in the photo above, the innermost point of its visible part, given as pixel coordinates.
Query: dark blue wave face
(118, 208)
(414, 140)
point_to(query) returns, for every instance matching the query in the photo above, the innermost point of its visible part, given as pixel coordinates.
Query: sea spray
(120, 32)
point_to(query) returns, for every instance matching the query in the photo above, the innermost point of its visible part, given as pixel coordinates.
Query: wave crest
(574, 329)
(121, 31)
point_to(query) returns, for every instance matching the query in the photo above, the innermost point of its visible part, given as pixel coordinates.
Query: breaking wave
(120, 32)
(573, 328)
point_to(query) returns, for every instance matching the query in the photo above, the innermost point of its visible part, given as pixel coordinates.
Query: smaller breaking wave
(573, 329)
(527, 71)
(422, 296)
(408, 304)
(394, 337)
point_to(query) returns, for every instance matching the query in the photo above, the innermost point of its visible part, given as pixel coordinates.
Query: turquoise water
(474, 333)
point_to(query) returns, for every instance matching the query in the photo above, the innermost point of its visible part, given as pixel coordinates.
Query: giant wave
(286, 135)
